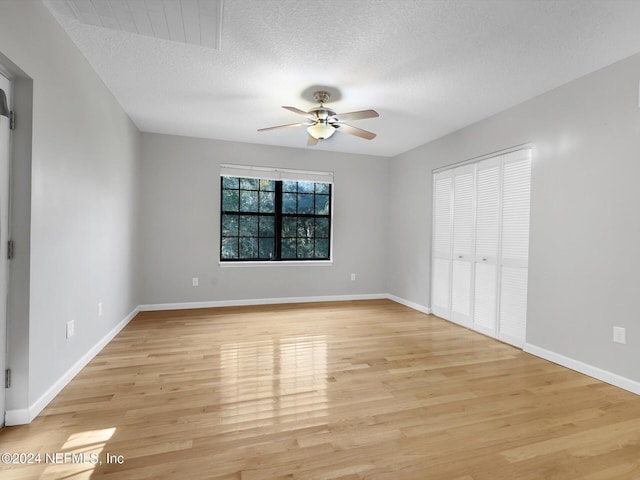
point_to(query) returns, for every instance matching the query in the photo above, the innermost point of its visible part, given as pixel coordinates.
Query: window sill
(302, 263)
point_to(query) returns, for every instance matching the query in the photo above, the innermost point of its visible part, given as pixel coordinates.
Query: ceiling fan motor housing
(322, 113)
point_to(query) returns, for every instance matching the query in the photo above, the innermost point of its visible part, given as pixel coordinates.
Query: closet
(480, 244)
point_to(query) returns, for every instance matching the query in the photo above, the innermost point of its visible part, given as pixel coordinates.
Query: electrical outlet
(619, 335)
(99, 309)
(71, 328)
(353, 277)
(195, 281)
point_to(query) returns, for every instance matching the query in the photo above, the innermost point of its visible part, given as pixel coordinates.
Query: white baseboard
(258, 301)
(17, 417)
(590, 370)
(407, 303)
(24, 416)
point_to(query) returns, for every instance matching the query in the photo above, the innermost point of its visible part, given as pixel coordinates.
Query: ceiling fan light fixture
(321, 131)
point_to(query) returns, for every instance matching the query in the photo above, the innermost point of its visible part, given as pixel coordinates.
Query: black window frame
(281, 215)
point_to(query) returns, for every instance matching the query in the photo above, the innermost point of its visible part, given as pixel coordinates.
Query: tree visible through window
(264, 219)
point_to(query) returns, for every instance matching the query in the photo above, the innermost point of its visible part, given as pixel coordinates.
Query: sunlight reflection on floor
(270, 379)
(79, 456)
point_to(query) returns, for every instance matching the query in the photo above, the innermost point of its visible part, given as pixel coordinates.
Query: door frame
(6, 83)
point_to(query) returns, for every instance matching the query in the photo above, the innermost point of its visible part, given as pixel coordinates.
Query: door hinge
(10, 249)
(12, 120)
(7, 378)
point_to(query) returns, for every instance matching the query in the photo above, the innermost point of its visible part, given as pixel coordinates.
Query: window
(264, 219)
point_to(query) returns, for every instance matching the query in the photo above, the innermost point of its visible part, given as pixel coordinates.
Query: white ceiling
(222, 68)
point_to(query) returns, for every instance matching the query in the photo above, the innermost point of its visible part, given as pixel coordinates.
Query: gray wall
(584, 271)
(75, 171)
(179, 224)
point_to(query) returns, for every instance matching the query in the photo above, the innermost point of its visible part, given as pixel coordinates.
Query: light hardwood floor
(347, 390)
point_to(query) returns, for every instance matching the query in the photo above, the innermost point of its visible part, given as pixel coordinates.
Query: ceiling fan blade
(284, 126)
(360, 115)
(300, 112)
(312, 141)
(358, 132)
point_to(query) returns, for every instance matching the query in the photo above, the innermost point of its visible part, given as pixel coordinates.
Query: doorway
(5, 154)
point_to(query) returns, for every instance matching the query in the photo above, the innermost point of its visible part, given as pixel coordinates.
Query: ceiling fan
(322, 122)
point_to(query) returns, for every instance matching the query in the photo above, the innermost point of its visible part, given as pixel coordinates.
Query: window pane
(249, 183)
(305, 248)
(248, 247)
(322, 248)
(230, 200)
(267, 226)
(266, 247)
(229, 247)
(288, 203)
(322, 205)
(322, 227)
(230, 225)
(289, 226)
(322, 187)
(267, 202)
(230, 182)
(305, 187)
(288, 248)
(267, 185)
(248, 201)
(248, 226)
(305, 203)
(288, 186)
(306, 228)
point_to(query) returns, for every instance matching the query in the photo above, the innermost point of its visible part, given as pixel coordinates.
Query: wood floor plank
(361, 390)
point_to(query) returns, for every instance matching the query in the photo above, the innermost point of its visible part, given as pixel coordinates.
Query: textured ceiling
(428, 67)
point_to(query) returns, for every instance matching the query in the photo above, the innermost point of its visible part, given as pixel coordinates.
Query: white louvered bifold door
(516, 193)
(442, 237)
(481, 245)
(486, 246)
(463, 236)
